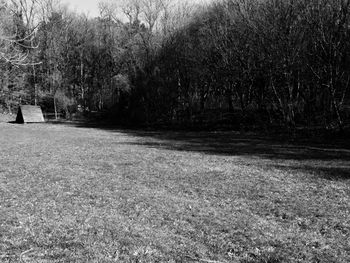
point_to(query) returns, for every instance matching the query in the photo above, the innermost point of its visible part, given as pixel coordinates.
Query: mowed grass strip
(74, 194)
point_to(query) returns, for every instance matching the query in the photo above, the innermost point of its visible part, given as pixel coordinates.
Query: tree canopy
(233, 63)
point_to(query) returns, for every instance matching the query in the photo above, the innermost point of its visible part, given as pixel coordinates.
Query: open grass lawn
(75, 194)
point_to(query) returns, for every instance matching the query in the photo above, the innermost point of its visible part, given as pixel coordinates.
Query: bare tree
(18, 40)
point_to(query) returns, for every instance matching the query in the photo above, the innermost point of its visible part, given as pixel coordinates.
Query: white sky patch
(90, 7)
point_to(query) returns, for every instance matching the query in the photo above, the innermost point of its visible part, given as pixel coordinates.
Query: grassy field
(80, 194)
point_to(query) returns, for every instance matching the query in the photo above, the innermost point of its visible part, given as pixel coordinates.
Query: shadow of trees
(328, 160)
(332, 172)
(233, 143)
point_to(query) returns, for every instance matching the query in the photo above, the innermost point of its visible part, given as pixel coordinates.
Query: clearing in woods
(75, 194)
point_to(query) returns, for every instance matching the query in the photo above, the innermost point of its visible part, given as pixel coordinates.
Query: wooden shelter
(29, 113)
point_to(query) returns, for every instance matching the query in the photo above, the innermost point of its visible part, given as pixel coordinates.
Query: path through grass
(74, 194)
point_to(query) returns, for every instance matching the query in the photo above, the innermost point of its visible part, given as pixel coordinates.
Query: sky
(90, 7)
(83, 6)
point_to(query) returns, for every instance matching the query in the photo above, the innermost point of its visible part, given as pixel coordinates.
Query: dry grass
(7, 117)
(70, 194)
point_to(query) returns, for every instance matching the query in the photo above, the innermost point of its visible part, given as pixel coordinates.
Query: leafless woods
(245, 62)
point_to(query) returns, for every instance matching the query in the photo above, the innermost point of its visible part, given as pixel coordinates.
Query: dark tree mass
(236, 63)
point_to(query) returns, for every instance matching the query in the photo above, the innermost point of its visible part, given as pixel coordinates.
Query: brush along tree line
(237, 62)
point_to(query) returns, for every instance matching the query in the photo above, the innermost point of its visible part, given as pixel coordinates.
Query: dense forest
(234, 63)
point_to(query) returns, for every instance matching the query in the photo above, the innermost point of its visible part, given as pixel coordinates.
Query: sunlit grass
(70, 194)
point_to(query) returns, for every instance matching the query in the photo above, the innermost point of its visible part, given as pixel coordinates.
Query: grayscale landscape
(175, 131)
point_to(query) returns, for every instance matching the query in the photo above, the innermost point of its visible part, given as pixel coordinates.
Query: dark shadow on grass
(329, 173)
(276, 149)
(253, 147)
(232, 143)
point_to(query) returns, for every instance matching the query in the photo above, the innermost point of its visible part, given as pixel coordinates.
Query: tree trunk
(55, 106)
(34, 86)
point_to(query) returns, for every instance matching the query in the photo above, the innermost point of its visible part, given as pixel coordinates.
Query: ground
(70, 193)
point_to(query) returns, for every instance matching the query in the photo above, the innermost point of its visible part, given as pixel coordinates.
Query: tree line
(234, 63)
